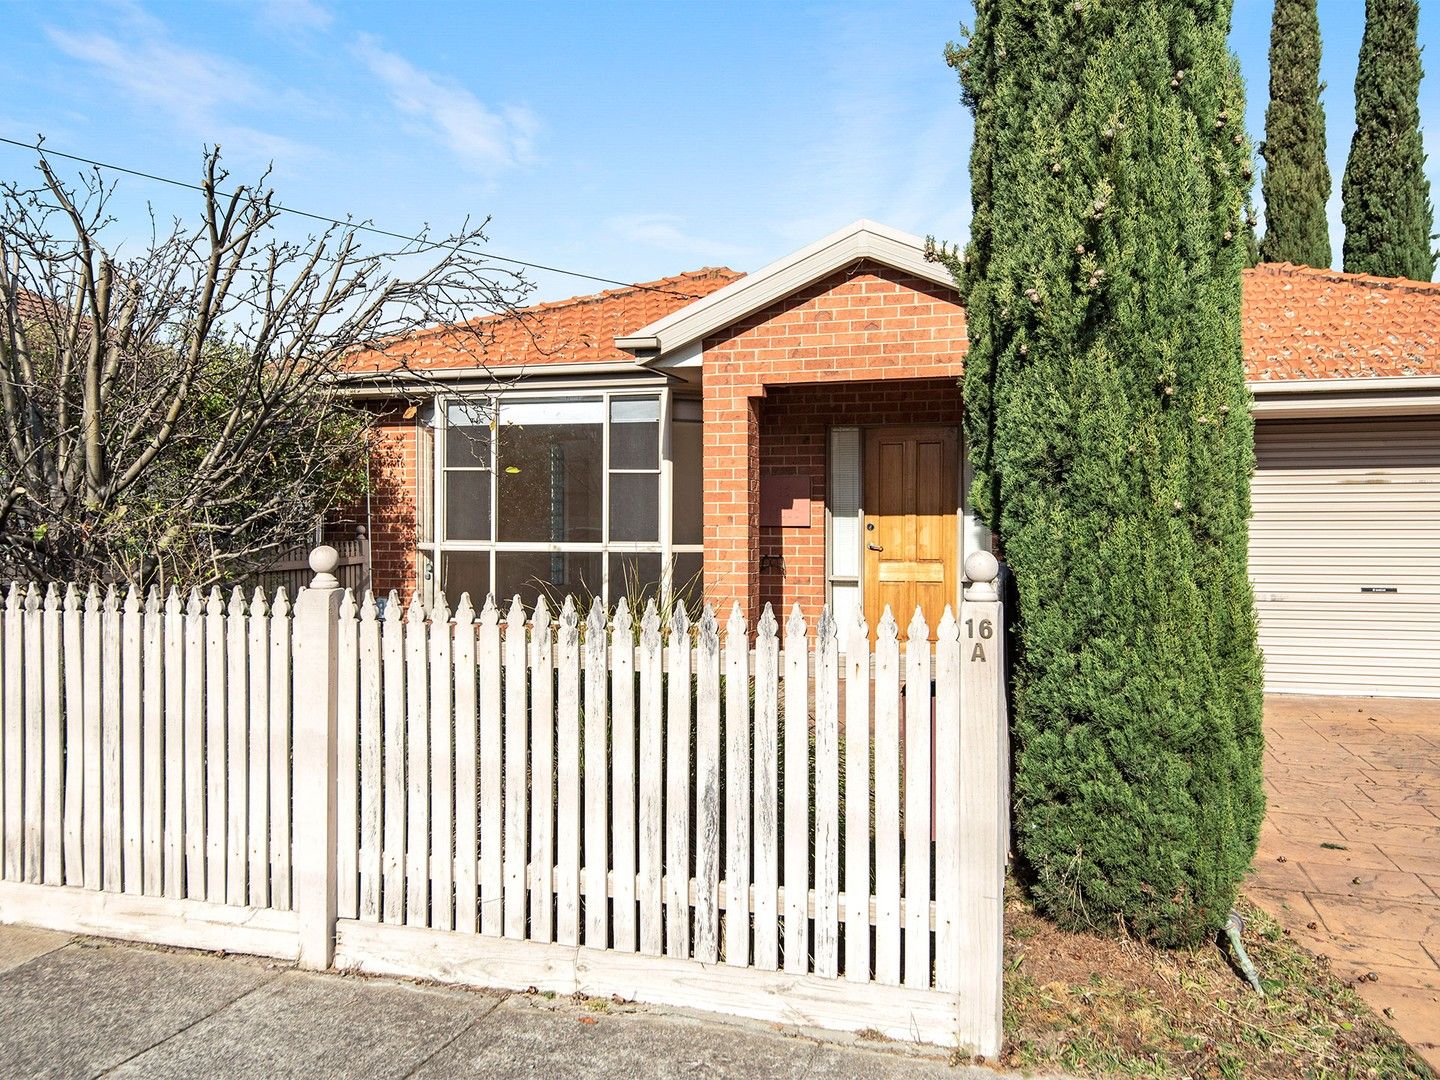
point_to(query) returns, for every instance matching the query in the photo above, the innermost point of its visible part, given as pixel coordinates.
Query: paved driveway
(1349, 857)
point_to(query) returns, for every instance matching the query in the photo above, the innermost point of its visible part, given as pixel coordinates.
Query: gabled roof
(1298, 323)
(580, 330)
(1301, 323)
(861, 240)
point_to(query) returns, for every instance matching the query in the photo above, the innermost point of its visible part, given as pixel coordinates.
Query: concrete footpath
(81, 1007)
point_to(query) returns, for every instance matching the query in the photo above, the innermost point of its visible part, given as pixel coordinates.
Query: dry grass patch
(1101, 1007)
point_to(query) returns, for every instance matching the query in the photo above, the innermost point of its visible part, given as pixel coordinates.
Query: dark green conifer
(1297, 179)
(1385, 195)
(1111, 438)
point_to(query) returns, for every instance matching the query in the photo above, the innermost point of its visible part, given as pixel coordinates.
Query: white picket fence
(747, 821)
(145, 752)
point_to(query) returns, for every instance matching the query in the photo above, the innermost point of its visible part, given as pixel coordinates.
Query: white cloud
(155, 70)
(294, 14)
(871, 152)
(201, 93)
(485, 139)
(668, 232)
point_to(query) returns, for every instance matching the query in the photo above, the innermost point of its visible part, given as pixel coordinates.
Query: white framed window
(557, 493)
(686, 520)
(843, 518)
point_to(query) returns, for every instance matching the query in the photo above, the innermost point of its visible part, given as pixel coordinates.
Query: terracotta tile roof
(1301, 323)
(581, 330)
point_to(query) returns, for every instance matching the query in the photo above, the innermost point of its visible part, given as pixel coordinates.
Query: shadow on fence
(576, 801)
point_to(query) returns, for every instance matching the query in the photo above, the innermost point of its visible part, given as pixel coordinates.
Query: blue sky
(627, 140)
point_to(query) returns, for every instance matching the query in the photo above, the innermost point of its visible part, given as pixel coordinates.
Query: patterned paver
(1349, 857)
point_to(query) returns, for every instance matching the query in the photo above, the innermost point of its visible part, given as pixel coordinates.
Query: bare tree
(180, 413)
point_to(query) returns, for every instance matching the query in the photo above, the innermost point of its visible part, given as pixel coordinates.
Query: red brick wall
(795, 423)
(838, 344)
(867, 322)
(393, 498)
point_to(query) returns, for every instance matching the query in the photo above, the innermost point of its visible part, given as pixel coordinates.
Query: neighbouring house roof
(1298, 323)
(580, 330)
(1301, 323)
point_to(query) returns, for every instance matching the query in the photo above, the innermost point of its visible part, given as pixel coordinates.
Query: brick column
(395, 494)
(732, 494)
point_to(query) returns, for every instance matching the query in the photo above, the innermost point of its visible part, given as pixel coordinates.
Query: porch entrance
(911, 497)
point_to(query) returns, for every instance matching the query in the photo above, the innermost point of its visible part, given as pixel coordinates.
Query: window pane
(845, 605)
(467, 506)
(476, 412)
(467, 447)
(624, 410)
(465, 572)
(689, 579)
(635, 433)
(557, 575)
(551, 474)
(688, 500)
(686, 409)
(635, 446)
(635, 576)
(634, 506)
(554, 411)
(844, 541)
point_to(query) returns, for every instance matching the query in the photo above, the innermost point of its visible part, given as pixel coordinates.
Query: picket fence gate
(801, 825)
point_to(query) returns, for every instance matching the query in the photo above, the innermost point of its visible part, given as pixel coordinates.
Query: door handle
(875, 547)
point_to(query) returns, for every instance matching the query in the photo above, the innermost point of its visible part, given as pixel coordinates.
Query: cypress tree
(1297, 179)
(1111, 438)
(1385, 195)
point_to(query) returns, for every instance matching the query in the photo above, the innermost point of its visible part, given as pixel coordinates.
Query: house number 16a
(987, 631)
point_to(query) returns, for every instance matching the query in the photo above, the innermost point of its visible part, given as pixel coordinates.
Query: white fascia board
(1380, 396)
(686, 356)
(518, 377)
(1372, 383)
(861, 240)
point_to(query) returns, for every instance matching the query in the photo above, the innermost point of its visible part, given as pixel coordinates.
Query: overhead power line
(358, 226)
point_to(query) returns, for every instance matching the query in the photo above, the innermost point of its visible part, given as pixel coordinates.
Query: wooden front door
(910, 534)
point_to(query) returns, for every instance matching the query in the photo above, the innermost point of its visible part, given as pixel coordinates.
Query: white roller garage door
(1345, 556)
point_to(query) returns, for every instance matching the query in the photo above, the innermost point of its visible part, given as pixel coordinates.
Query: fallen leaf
(589, 1020)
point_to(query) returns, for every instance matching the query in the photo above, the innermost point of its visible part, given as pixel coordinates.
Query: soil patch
(1100, 1007)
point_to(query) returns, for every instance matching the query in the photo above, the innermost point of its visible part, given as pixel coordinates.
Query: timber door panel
(910, 503)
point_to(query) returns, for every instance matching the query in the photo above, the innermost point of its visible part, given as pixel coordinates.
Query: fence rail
(736, 818)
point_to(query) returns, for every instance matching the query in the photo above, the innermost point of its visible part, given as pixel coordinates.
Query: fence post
(316, 666)
(984, 813)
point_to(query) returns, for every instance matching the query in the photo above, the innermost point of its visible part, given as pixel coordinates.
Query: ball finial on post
(323, 561)
(981, 569)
